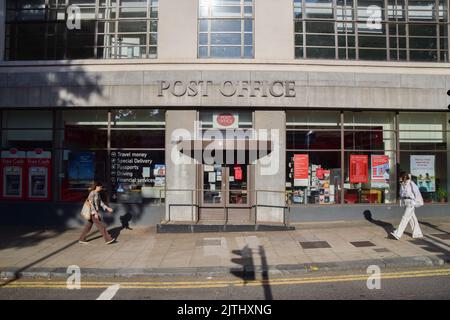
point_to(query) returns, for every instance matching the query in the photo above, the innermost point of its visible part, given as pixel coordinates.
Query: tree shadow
(18, 273)
(388, 227)
(429, 244)
(433, 226)
(55, 86)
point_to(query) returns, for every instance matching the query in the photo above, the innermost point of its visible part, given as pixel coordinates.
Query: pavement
(330, 246)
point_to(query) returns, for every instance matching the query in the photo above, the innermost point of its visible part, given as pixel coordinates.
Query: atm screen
(38, 188)
(38, 182)
(12, 185)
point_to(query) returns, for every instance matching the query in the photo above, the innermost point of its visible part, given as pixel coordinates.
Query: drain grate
(442, 236)
(314, 244)
(381, 250)
(362, 244)
(208, 242)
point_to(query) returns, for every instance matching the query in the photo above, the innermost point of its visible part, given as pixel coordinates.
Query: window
(137, 156)
(370, 158)
(415, 30)
(424, 152)
(108, 29)
(225, 29)
(27, 130)
(374, 149)
(313, 157)
(82, 152)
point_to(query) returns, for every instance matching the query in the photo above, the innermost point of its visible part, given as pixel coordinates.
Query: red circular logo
(38, 151)
(13, 150)
(225, 119)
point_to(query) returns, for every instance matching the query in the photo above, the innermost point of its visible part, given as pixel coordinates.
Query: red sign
(237, 173)
(359, 168)
(225, 119)
(320, 173)
(301, 164)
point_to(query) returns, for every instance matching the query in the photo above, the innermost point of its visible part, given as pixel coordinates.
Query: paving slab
(42, 251)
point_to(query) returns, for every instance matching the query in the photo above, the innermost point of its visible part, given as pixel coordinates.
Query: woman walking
(410, 198)
(94, 202)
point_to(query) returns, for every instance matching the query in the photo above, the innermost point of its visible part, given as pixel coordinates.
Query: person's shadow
(125, 221)
(388, 227)
(125, 224)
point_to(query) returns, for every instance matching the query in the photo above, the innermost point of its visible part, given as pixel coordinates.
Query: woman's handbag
(86, 211)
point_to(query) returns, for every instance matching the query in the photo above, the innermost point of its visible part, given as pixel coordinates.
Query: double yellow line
(226, 283)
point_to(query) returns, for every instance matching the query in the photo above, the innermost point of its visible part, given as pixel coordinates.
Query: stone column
(180, 176)
(274, 30)
(177, 29)
(270, 175)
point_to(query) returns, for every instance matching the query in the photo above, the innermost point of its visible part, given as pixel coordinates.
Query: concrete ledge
(12, 274)
(199, 228)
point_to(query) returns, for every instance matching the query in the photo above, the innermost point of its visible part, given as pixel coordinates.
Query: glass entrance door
(237, 179)
(225, 191)
(213, 183)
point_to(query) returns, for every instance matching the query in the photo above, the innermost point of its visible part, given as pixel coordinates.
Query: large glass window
(313, 157)
(27, 130)
(424, 152)
(369, 144)
(370, 149)
(225, 29)
(82, 151)
(414, 30)
(81, 29)
(137, 156)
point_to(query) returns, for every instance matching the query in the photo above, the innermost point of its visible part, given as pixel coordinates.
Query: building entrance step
(197, 228)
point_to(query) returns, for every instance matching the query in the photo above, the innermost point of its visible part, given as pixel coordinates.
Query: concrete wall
(180, 178)
(2, 29)
(316, 86)
(270, 175)
(67, 215)
(379, 213)
(274, 29)
(177, 29)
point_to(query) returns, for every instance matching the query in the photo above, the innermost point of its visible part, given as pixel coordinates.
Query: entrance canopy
(221, 149)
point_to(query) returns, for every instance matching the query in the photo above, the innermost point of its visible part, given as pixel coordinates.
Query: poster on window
(81, 169)
(380, 171)
(359, 168)
(422, 166)
(301, 172)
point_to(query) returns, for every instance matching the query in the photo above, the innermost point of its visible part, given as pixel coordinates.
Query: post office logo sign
(225, 121)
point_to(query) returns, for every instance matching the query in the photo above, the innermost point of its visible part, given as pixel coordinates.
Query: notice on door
(359, 168)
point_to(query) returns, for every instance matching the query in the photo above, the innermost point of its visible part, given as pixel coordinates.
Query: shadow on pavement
(248, 270)
(388, 227)
(17, 273)
(432, 226)
(426, 243)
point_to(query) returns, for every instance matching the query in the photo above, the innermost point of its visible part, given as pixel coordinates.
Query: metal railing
(255, 200)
